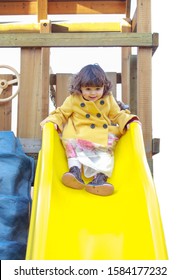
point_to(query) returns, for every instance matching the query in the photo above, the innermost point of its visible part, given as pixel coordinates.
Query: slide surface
(68, 224)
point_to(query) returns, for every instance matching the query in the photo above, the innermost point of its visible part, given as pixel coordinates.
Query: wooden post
(126, 51)
(42, 9)
(45, 27)
(62, 84)
(144, 77)
(6, 108)
(33, 104)
(34, 92)
(112, 76)
(133, 84)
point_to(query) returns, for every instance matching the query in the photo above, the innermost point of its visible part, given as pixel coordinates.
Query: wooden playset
(35, 40)
(68, 224)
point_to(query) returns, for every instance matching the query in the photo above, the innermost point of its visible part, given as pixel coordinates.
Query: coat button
(105, 125)
(92, 125)
(102, 102)
(87, 116)
(82, 104)
(98, 115)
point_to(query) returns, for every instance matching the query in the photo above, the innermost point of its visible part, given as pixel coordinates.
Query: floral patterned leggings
(93, 157)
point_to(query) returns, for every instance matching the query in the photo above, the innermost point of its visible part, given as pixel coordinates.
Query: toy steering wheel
(4, 84)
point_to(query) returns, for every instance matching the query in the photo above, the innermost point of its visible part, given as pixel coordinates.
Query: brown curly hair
(90, 75)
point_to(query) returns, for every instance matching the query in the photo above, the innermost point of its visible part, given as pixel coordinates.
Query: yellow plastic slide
(69, 224)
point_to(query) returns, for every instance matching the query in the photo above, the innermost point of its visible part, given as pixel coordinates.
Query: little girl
(90, 122)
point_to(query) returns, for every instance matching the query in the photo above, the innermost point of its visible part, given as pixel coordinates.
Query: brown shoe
(99, 186)
(73, 178)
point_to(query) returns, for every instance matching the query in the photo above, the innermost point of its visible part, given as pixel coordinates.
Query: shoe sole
(69, 180)
(103, 190)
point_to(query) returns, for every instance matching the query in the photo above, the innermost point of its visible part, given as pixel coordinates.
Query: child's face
(92, 93)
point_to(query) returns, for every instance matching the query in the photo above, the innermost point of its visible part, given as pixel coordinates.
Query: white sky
(165, 91)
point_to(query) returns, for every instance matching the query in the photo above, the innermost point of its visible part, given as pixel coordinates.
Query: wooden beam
(53, 79)
(155, 42)
(34, 90)
(44, 77)
(6, 108)
(134, 21)
(62, 85)
(92, 39)
(133, 84)
(87, 7)
(18, 8)
(30, 99)
(128, 8)
(63, 7)
(155, 146)
(113, 78)
(125, 54)
(144, 77)
(42, 9)
(31, 146)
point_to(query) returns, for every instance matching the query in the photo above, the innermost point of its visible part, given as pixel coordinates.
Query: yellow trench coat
(92, 121)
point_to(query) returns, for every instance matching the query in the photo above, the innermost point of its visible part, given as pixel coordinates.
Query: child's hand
(136, 121)
(46, 121)
(56, 126)
(43, 123)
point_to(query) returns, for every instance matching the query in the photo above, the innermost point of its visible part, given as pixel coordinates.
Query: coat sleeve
(120, 117)
(60, 115)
